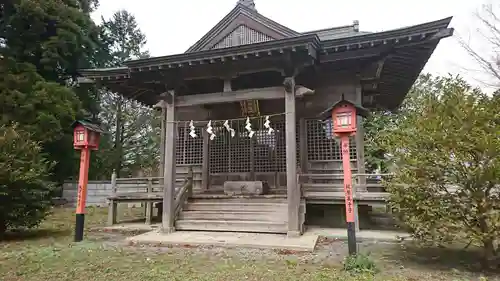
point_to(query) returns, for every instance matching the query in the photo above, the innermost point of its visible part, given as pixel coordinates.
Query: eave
(105, 73)
(400, 37)
(127, 80)
(396, 35)
(399, 56)
(309, 42)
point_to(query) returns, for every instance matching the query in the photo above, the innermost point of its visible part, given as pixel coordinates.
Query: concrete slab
(362, 235)
(306, 242)
(128, 227)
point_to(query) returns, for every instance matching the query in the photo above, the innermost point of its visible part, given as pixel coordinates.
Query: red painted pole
(82, 193)
(349, 203)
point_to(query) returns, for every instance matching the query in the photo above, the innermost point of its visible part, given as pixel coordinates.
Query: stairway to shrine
(250, 214)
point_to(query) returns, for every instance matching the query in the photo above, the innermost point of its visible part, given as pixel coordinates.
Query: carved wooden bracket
(289, 84)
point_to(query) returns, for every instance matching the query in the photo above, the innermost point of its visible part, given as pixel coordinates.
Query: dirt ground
(49, 254)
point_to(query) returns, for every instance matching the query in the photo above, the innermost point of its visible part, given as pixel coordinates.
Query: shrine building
(244, 147)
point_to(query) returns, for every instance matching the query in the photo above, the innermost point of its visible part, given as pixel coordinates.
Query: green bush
(446, 148)
(24, 191)
(360, 264)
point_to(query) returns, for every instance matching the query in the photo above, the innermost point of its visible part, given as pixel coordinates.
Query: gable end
(242, 35)
(242, 15)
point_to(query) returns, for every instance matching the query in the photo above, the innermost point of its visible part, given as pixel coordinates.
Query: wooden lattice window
(321, 144)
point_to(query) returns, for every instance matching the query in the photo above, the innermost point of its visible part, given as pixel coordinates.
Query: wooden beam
(211, 71)
(84, 80)
(162, 142)
(355, 54)
(237, 96)
(373, 71)
(205, 175)
(168, 216)
(292, 188)
(303, 146)
(231, 96)
(360, 150)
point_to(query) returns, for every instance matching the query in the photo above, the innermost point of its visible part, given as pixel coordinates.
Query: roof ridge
(353, 25)
(247, 3)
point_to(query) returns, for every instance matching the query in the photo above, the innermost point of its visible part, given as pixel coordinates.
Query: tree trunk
(488, 242)
(488, 253)
(3, 227)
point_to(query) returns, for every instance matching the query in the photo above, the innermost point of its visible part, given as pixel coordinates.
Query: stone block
(232, 188)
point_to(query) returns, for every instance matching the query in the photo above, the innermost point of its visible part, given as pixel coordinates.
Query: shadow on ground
(34, 234)
(441, 258)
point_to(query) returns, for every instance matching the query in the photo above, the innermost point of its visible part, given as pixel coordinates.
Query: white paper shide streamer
(210, 130)
(229, 129)
(248, 127)
(192, 132)
(267, 125)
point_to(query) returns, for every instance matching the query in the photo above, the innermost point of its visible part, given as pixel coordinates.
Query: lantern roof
(88, 125)
(359, 109)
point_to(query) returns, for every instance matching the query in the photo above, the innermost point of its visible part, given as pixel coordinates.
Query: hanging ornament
(267, 125)
(192, 132)
(229, 129)
(210, 130)
(248, 127)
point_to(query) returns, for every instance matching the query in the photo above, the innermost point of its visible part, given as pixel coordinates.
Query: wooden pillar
(303, 147)
(149, 204)
(113, 206)
(205, 176)
(252, 159)
(161, 169)
(168, 216)
(293, 192)
(360, 154)
(162, 143)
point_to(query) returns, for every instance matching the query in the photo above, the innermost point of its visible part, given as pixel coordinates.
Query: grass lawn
(49, 254)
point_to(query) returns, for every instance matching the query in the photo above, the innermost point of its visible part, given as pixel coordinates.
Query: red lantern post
(344, 118)
(86, 137)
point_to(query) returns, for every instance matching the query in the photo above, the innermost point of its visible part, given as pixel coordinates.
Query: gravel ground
(110, 256)
(403, 258)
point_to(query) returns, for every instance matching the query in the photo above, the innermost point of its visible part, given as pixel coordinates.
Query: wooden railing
(183, 194)
(137, 185)
(365, 187)
(148, 190)
(363, 181)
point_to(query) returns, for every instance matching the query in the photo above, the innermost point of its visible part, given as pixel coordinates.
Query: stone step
(239, 200)
(279, 216)
(249, 215)
(228, 207)
(229, 225)
(322, 187)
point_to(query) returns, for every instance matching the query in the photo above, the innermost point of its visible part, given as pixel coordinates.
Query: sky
(171, 27)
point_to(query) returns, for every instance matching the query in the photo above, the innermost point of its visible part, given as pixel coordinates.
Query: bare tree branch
(489, 30)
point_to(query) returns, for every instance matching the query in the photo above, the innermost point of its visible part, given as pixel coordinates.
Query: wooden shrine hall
(222, 168)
